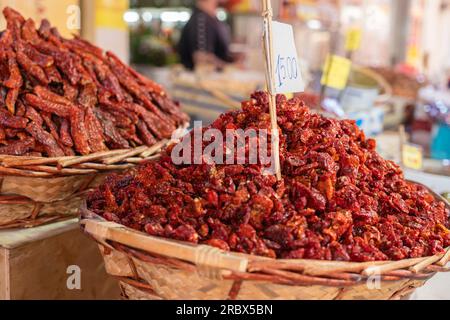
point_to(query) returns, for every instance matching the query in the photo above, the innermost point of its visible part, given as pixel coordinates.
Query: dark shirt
(204, 33)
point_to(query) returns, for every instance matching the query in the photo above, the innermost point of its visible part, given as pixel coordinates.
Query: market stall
(204, 161)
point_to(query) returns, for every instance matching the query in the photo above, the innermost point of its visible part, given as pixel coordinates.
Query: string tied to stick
(267, 14)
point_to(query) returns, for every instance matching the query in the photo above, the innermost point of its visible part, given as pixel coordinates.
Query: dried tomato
(338, 199)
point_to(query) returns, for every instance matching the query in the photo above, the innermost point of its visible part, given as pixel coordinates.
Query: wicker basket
(35, 191)
(155, 268)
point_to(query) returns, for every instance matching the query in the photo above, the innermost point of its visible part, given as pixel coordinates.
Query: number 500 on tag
(287, 75)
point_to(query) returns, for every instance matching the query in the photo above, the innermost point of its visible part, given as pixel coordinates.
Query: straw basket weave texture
(34, 191)
(154, 268)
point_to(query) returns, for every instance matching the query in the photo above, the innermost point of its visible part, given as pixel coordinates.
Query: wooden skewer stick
(24, 173)
(104, 167)
(268, 50)
(19, 161)
(121, 157)
(154, 149)
(137, 160)
(62, 171)
(91, 157)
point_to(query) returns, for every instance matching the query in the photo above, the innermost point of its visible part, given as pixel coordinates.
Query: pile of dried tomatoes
(338, 199)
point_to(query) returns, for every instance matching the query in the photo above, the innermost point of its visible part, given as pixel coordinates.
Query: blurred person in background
(205, 39)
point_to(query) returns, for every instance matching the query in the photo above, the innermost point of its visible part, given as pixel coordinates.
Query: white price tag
(286, 68)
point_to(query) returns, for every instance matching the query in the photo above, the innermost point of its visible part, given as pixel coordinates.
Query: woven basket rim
(50, 167)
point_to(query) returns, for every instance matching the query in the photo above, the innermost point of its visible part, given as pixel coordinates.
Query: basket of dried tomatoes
(69, 113)
(342, 223)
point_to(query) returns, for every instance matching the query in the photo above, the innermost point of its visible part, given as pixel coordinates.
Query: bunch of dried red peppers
(338, 199)
(61, 97)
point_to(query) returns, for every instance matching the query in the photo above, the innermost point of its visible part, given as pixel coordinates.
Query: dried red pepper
(49, 143)
(83, 98)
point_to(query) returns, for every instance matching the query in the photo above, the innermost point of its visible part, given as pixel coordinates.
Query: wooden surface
(34, 262)
(4, 272)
